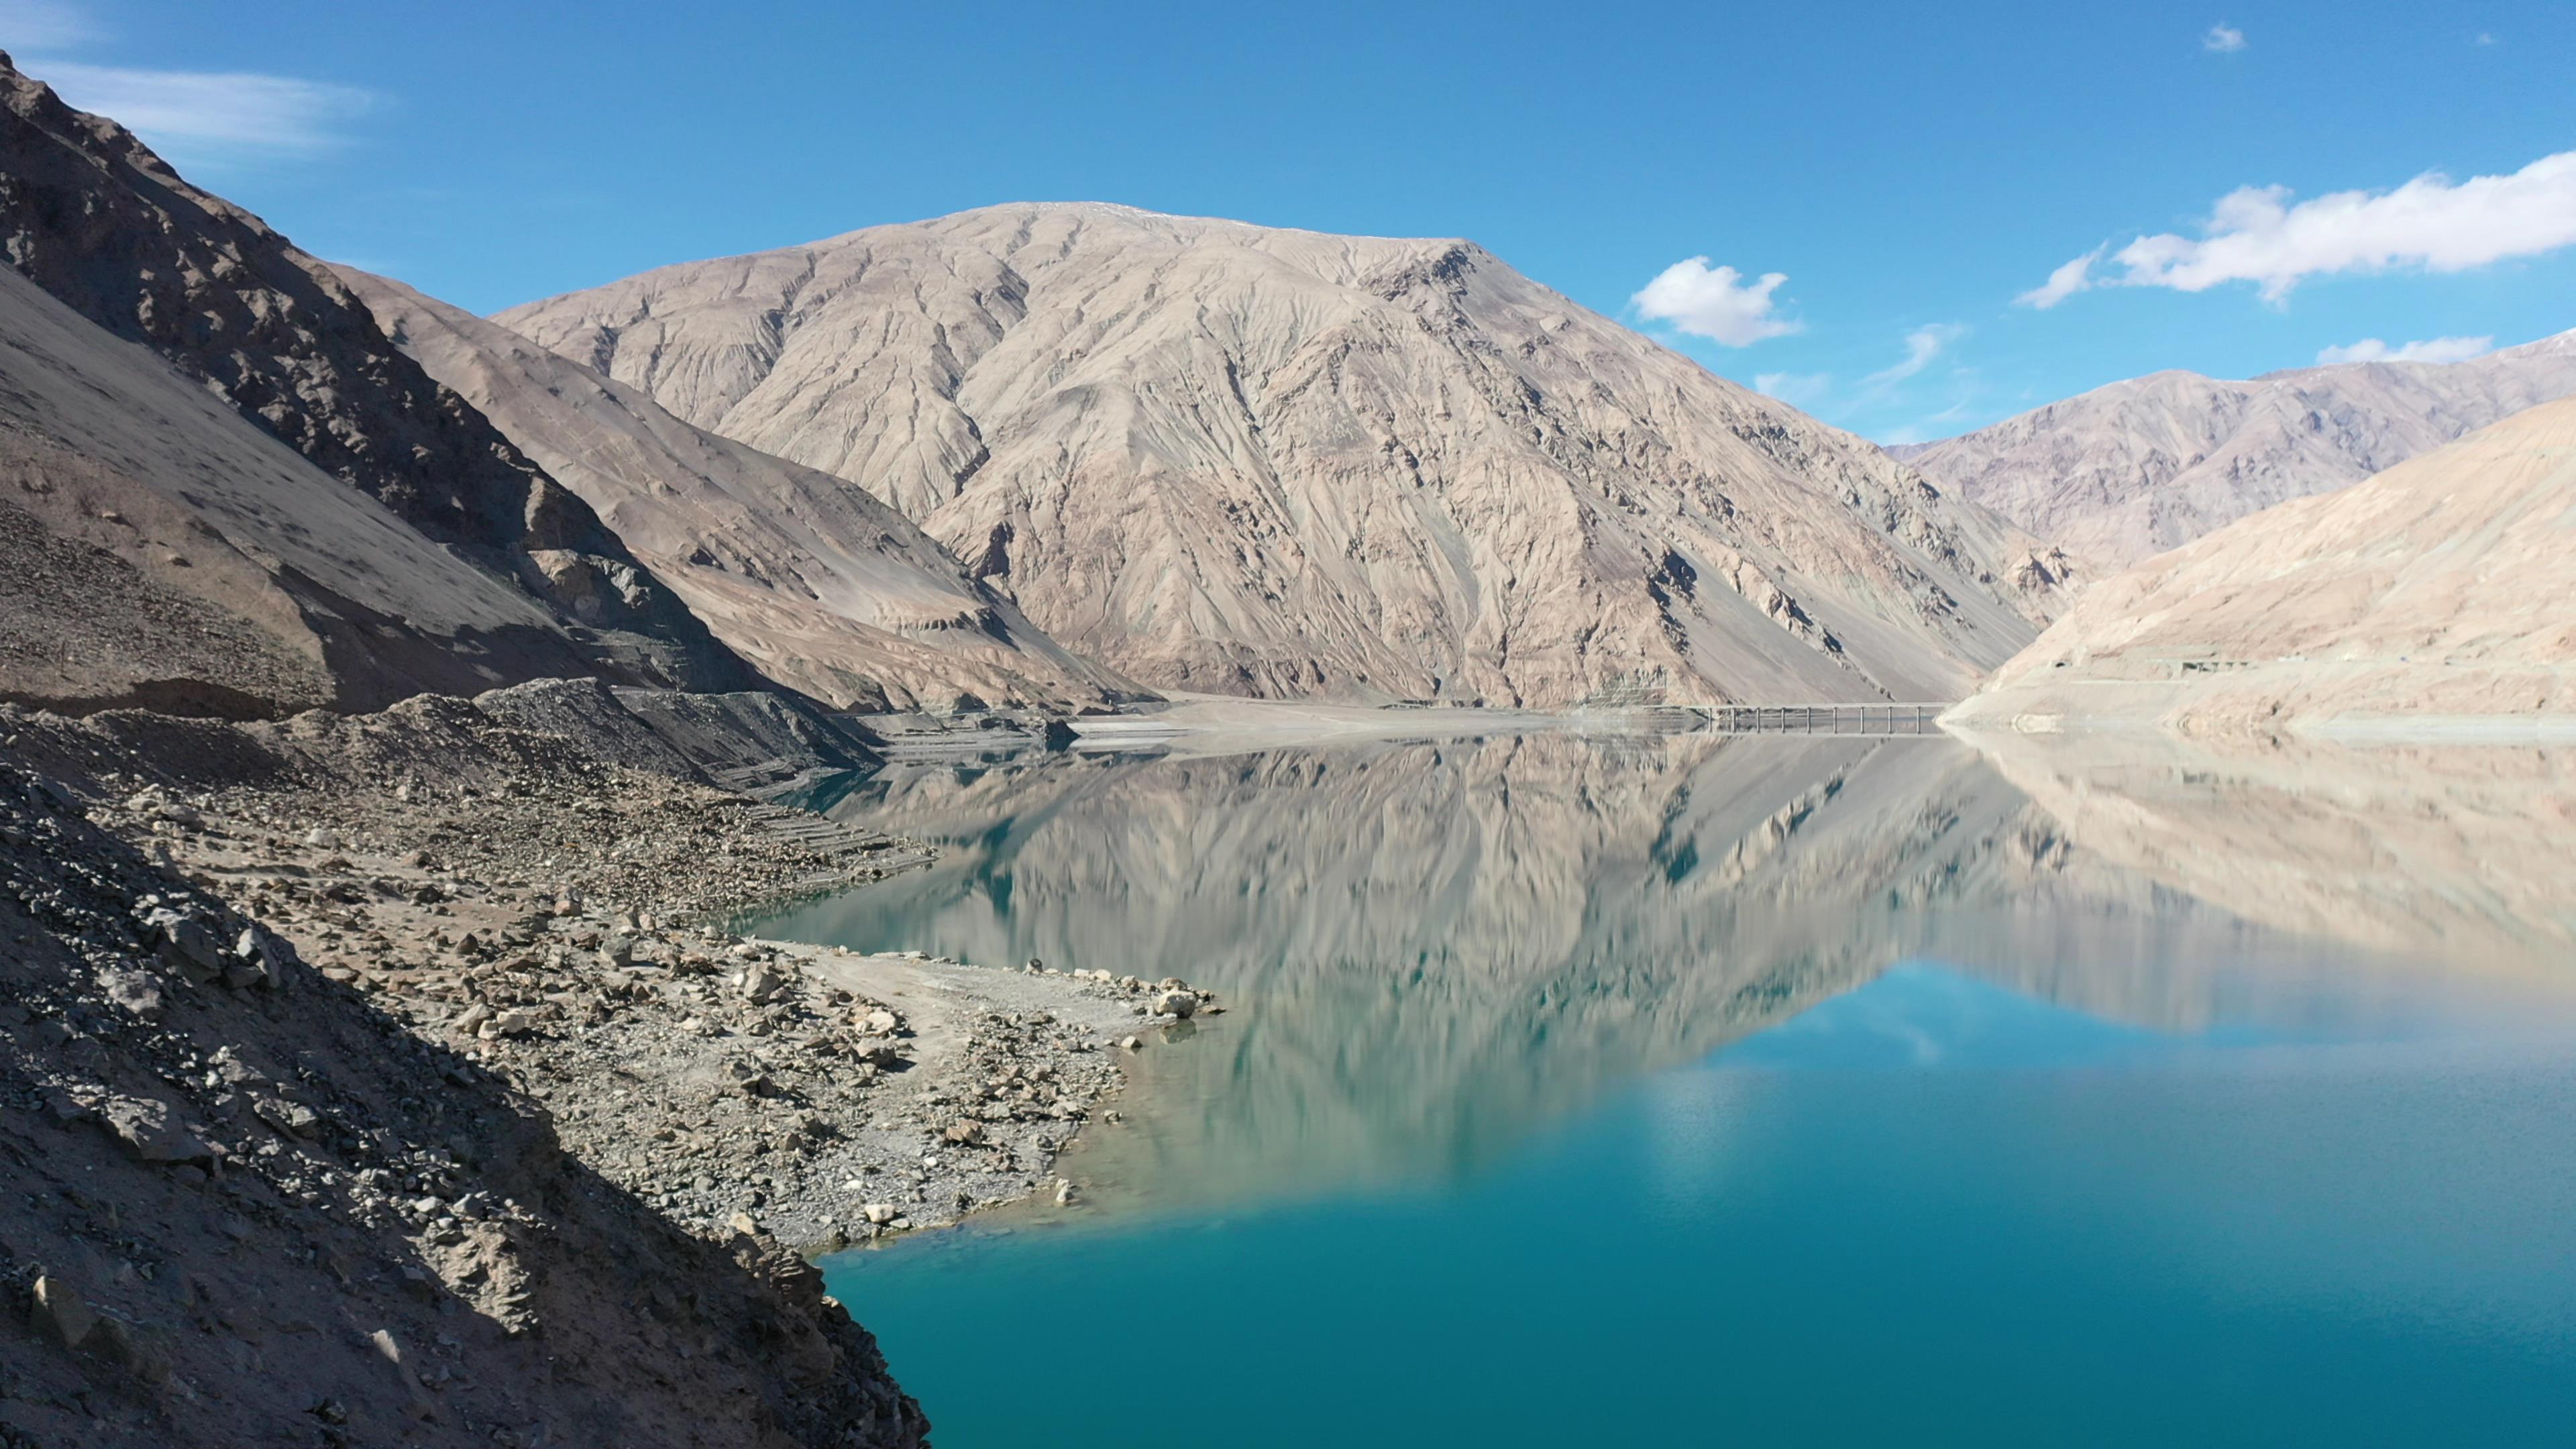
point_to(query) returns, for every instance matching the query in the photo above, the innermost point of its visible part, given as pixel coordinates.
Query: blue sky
(1907, 171)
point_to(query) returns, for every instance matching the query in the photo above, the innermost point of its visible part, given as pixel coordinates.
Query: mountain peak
(1244, 459)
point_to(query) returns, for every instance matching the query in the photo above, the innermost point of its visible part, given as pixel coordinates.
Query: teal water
(1758, 1093)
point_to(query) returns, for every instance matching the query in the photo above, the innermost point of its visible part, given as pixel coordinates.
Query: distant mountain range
(2432, 597)
(2142, 466)
(1066, 454)
(1047, 455)
(1226, 458)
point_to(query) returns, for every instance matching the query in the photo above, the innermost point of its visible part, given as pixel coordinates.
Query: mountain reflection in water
(1435, 950)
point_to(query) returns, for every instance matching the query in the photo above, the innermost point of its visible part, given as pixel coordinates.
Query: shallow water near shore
(1768, 1091)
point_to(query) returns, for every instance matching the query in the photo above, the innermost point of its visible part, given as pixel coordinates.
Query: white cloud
(27, 25)
(2222, 39)
(2255, 234)
(1921, 346)
(1716, 303)
(2431, 349)
(212, 116)
(1797, 389)
(2076, 276)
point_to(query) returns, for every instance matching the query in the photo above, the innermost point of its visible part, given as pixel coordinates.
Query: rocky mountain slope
(202, 418)
(2142, 466)
(166, 553)
(2431, 596)
(248, 1205)
(825, 588)
(1221, 457)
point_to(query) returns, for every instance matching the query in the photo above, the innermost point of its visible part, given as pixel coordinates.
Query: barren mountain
(1222, 457)
(820, 584)
(2142, 466)
(216, 412)
(2432, 595)
(164, 552)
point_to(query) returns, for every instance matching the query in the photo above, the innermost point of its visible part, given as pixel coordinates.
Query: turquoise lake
(1693, 1090)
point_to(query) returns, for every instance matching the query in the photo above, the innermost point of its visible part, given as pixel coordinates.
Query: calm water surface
(1771, 1091)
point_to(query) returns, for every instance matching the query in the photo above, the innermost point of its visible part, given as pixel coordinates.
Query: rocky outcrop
(1227, 458)
(738, 741)
(2429, 600)
(189, 389)
(824, 587)
(2142, 466)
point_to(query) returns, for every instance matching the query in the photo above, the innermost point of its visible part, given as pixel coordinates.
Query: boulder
(187, 947)
(389, 1348)
(292, 1118)
(60, 1313)
(151, 1130)
(1177, 1003)
(144, 1352)
(132, 991)
(261, 959)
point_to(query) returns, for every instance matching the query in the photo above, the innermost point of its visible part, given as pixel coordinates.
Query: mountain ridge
(2148, 463)
(828, 590)
(2427, 599)
(179, 284)
(1238, 459)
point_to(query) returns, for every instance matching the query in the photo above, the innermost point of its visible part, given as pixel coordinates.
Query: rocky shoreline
(521, 922)
(815, 1094)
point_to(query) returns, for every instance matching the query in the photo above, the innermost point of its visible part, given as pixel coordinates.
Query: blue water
(2028, 1165)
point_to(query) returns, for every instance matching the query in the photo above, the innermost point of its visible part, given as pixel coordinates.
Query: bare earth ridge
(2431, 598)
(2145, 465)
